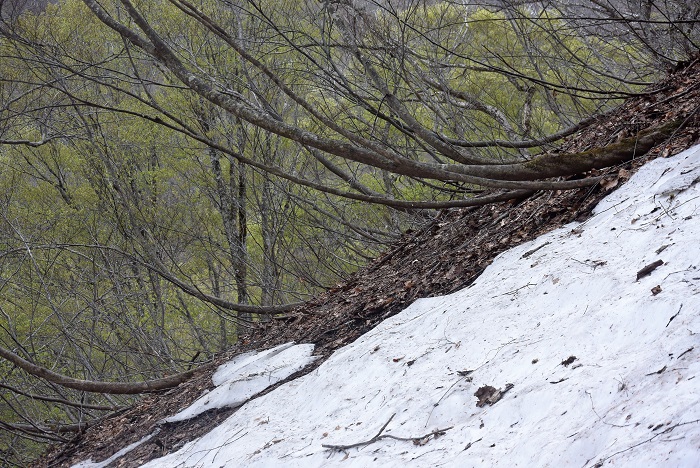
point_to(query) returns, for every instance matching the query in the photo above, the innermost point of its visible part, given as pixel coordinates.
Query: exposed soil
(445, 256)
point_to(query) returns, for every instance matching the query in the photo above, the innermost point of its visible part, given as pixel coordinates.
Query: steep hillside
(579, 348)
(444, 257)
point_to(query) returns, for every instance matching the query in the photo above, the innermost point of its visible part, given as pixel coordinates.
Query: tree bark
(115, 388)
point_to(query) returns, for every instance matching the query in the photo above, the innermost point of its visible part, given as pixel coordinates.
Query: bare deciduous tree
(194, 165)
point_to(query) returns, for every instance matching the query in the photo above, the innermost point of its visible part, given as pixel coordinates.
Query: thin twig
(514, 291)
(530, 252)
(373, 439)
(666, 431)
(685, 352)
(381, 436)
(675, 315)
(599, 416)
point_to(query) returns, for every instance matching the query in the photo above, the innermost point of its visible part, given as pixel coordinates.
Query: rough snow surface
(247, 375)
(628, 397)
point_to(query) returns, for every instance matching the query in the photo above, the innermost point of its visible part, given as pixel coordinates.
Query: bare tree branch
(115, 388)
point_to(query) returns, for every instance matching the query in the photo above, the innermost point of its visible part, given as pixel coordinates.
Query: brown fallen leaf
(609, 183)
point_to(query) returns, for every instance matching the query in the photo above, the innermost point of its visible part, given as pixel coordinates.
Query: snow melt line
(119, 454)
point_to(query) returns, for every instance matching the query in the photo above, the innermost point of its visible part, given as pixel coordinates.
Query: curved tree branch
(114, 388)
(516, 177)
(61, 401)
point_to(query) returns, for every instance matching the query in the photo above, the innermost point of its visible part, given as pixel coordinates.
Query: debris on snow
(489, 395)
(420, 440)
(646, 271)
(568, 361)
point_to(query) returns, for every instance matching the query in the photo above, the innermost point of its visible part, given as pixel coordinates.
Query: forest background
(173, 173)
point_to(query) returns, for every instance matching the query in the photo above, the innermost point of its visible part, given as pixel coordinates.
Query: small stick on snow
(380, 436)
(648, 269)
(676, 315)
(514, 291)
(685, 352)
(530, 252)
(469, 445)
(666, 431)
(660, 371)
(600, 418)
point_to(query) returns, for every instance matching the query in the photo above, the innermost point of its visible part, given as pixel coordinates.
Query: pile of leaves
(443, 257)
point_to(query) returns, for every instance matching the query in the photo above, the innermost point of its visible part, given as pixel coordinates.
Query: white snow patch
(630, 398)
(247, 375)
(236, 381)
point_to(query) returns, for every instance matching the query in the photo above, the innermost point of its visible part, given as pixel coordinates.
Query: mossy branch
(555, 165)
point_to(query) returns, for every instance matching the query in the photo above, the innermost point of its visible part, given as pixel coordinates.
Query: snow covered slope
(602, 364)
